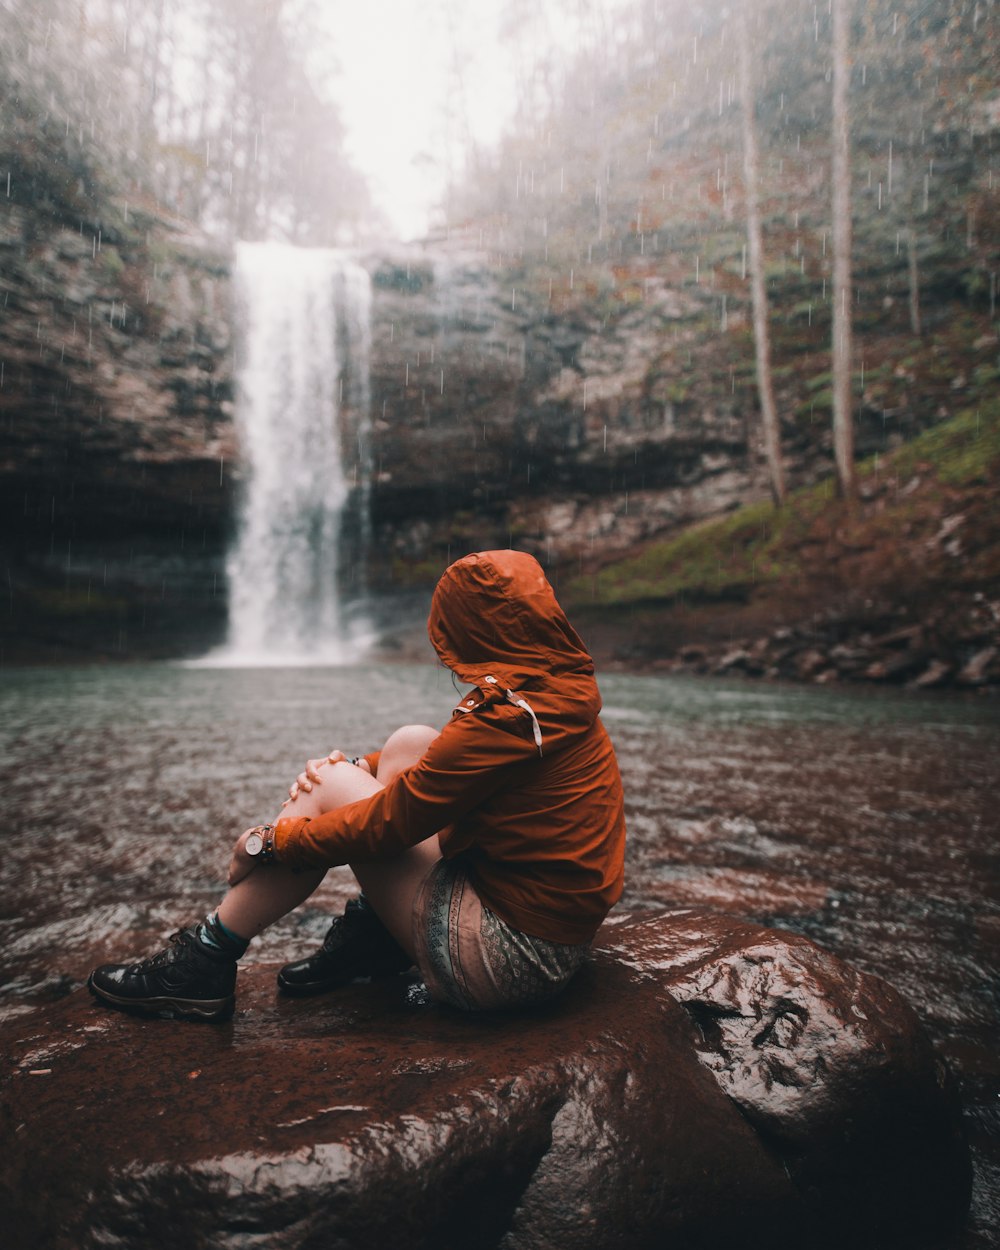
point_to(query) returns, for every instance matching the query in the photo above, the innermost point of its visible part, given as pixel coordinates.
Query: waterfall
(304, 358)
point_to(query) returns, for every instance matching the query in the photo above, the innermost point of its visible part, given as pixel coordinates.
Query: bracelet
(267, 854)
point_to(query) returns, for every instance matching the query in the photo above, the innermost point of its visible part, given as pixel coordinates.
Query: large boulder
(703, 1083)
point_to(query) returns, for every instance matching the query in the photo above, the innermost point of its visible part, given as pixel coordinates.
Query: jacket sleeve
(462, 767)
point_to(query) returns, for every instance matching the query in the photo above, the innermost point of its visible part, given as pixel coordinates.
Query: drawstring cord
(521, 702)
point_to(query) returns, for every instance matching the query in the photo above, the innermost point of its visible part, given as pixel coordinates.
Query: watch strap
(266, 834)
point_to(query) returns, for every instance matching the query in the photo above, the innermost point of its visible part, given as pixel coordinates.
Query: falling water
(306, 318)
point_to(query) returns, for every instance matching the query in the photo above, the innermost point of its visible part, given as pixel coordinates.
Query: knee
(403, 748)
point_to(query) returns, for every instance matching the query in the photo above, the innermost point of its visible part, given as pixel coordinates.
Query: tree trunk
(843, 417)
(758, 288)
(911, 256)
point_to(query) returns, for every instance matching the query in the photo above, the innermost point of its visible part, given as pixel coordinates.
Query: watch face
(254, 844)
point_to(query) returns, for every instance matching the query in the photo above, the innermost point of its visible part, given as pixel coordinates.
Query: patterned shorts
(472, 959)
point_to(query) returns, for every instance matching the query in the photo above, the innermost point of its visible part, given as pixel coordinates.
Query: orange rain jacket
(522, 781)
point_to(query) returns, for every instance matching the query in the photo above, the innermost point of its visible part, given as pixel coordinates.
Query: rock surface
(489, 403)
(703, 1083)
(926, 656)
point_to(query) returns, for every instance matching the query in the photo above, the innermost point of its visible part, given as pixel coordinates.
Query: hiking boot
(186, 979)
(356, 945)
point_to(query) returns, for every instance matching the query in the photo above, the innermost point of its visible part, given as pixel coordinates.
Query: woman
(488, 853)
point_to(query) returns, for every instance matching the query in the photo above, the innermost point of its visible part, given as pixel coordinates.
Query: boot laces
(335, 935)
(166, 956)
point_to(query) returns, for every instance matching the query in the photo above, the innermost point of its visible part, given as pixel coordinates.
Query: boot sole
(306, 989)
(188, 1008)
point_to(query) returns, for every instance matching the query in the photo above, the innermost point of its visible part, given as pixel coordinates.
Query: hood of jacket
(496, 623)
(495, 614)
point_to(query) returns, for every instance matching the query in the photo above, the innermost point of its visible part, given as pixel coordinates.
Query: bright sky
(408, 98)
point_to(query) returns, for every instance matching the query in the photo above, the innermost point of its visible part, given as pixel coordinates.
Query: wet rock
(906, 636)
(739, 659)
(849, 659)
(704, 1082)
(977, 670)
(895, 666)
(935, 674)
(809, 663)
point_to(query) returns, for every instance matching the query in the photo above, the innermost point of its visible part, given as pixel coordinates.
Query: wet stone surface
(864, 821)
(703, 1081)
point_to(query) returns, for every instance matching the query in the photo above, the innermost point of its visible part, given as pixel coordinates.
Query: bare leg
(392, 885)
(271, 891)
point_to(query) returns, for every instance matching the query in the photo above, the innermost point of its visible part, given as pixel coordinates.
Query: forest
(761, 236)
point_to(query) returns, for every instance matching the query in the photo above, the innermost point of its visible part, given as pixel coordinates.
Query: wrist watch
(260, 844)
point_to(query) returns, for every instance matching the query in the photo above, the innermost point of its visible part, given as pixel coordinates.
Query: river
(865, 819)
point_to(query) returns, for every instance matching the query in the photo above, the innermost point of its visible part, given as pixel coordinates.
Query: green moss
(72, 602)
(822, 400)
(416, 572)
(963, 450)
(721, 558)
(111, 263)
(759, 543)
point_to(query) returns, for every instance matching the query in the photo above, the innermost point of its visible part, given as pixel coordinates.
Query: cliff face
(578, 428)
(116, 435)
(493, 418)
(500, 415)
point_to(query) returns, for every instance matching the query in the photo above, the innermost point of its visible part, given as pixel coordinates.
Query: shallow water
(867, 820)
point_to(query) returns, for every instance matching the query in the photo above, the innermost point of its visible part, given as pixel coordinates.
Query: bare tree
(843, 419)
(761, 331)
(913, 271)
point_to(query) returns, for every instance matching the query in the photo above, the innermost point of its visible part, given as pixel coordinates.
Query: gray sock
(214, 934)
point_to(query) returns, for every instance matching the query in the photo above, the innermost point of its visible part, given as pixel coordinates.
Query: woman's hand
(241, 864)
(309, 776)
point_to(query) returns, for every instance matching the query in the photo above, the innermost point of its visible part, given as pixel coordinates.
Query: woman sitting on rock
(488, 853)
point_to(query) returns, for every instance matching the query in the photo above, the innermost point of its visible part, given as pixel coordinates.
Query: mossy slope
(922, 542)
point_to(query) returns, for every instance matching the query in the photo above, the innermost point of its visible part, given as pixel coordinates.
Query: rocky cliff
(493, 417)
(501, 416)
(116, 433)
(580, 424)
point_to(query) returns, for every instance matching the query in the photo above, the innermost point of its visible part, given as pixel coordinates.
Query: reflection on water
(866, 820)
